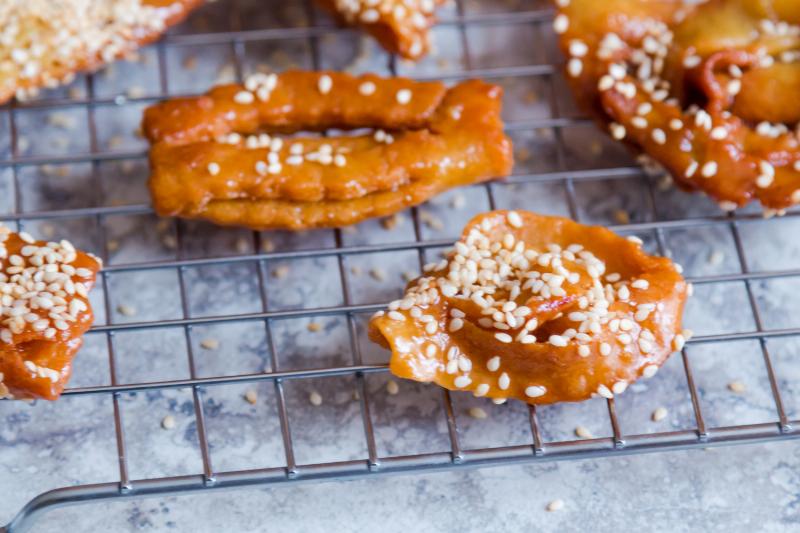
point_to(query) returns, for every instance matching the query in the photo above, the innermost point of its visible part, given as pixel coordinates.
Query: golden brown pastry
(400, 26)
(218, 157)
(43, 43)
(44, 311)
(537, 308)
(709, 91)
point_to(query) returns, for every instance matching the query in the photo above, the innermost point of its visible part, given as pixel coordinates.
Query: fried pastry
(400, 26)
(43, 43)
(44, 311)
(537, 308)
(708, 90)
(218, 157)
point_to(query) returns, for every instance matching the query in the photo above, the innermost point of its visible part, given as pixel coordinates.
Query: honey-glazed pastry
(400, 26)
(44, 311)
(227, 156)
(708, 90)
(537, 308)
(43, 43)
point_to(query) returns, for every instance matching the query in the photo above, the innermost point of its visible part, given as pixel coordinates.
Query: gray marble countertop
(70, 442)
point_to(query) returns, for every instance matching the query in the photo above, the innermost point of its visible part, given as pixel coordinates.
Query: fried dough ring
(211, 159)
(400, 26)
(708, 91)
(537, 308)
(43, 313)
(50, 41)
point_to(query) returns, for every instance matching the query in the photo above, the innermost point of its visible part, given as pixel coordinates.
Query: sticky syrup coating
(231, 157)
(708, 91)
(537, 308)
(44, 311)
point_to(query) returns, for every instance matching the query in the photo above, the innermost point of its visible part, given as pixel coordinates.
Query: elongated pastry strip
(213, 158)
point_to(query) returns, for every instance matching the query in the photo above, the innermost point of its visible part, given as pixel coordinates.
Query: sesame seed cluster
(44, 42)
(230, 155)
(513, 312)
(641, 77)
(44, 309)
(400, 25)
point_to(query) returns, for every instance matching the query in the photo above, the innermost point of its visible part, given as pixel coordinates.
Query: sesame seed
(213, 168)
(709, 169)
(493, 364)
(619, 387)
(168, 422)
(617, 131)
(504, 381)
(554, 506)
(209, 344)
(650, 371)
(481, 389)
(315, 398)
(659, 414)
(392, 388)
(583, 350)
(478, 413)
(605, 348)
(560, 23)
(314, 327)
(603, 391)
(535, 391)
(557, 340)
(403, 96)
(574, 67)
(583, 432)
(126, 310)
(367, 88)
(719, 133)
(251, 396)
(244, 97)
(325, 84)
(280, 272)
(514, 219)
(659, 137)
(462, 381)
(737, 386)
(503, 337)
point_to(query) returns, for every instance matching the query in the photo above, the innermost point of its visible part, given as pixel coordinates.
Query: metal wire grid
(457, 456)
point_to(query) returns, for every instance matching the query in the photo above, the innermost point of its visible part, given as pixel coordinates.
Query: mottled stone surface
(44, 446)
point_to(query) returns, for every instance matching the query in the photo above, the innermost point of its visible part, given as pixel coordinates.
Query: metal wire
(457, 456)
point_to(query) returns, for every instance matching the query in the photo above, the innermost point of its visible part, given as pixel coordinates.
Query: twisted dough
(214, 157)
(709, 91)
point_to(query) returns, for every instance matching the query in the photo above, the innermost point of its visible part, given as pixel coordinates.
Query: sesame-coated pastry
(43, 43)
(709, 90)
(401, 26)
(219, 157)
(44, 311)
(537, 308)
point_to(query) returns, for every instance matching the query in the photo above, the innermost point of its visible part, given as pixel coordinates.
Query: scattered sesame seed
(315, 398)
(535, 391)
(650, 371)
(126, 310)
(737, 386)
(378, 274)
(168, 422)
(209, 344)
(314, 327)
(659, 414)
(280, 272)
(478, 413)
(554, 506)
(251, 396)
(583, 432)
(392, 387)
(560, 23)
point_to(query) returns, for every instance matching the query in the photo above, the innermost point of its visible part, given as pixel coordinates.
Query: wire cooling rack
(192, 318)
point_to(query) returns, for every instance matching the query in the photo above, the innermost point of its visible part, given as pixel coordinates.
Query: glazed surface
(536, 308)
(242, 155)
(708, 91)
